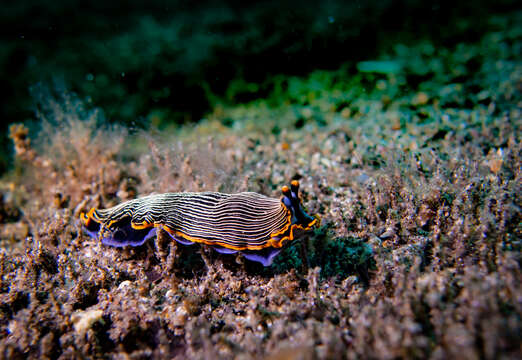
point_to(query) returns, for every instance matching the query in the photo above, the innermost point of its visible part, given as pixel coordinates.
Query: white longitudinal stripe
(210, 217)
(228, 232)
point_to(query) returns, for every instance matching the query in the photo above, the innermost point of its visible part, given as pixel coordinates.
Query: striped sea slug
(255, 225)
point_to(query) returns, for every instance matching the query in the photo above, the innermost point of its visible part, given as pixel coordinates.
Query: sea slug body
(255, 225)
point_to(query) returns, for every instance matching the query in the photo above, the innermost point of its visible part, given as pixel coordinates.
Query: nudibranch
(252, 224)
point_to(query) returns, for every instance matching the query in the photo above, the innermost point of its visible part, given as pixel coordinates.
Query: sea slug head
(292, 202)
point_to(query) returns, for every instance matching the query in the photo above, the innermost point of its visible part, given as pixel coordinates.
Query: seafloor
(418, 254)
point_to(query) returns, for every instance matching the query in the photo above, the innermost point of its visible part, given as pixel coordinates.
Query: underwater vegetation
(171, 63)
(413, 166)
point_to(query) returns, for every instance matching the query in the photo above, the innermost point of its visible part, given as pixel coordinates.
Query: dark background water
(165, 62)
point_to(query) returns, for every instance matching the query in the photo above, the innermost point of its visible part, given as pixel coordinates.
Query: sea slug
(255, 225)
